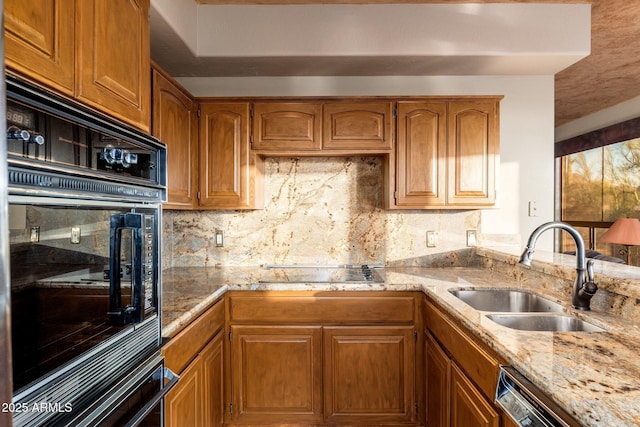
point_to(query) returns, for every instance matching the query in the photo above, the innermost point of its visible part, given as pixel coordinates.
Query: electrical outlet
(432, 239)
(219, 238)
(533, 208)
(75, 235)
(34, 235)
(471, 238)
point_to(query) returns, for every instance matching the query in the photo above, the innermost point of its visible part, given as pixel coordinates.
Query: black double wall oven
(85, 196)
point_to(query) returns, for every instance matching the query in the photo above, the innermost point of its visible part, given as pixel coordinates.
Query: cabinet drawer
(181, 349)
(335, 308)
(479, 366)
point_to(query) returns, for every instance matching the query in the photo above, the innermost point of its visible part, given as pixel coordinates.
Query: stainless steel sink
(506, 300)
(544, 322)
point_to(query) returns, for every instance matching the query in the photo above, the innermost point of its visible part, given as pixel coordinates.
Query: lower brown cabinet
(369, 374)
(438, 383)
(330, 359)
(323, 359)
(197, 400)
(468, 406)
(276, 374)
(452, 397)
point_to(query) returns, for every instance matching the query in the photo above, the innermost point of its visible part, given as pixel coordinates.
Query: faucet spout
(584, 287)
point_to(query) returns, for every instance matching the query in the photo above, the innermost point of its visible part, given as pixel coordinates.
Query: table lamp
(626, 232)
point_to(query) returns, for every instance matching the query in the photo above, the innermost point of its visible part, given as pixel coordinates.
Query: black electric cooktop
(322, 274)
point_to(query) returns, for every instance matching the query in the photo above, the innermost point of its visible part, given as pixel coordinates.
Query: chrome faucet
(584, 287)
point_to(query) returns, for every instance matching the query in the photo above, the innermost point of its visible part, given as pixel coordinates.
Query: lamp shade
(625, 231)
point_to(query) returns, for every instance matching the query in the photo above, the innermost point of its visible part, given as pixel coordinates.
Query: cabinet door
(369, 374)
(39, 41)
(276, 374)
(468, 405)
(287, 126)
(438, 380)
(421, 154)
(358, 125)
(213, 386)
(112, 66)
(472, 152)
(183, 404)
(228, 170)
(175, 123)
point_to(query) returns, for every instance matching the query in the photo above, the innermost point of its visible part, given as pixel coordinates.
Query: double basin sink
(523, 310)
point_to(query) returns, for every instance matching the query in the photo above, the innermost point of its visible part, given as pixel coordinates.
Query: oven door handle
(172, 378)
(131, 313)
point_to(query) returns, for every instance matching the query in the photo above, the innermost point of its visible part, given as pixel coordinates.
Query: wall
(342, 233)
(323, 211)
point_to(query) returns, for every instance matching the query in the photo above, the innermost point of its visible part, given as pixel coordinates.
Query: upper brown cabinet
(112, 62)
(421, 154)
(175, 123)
(228, 171)
(447, 152)
(472, 152)
(287, 126)
(358, 125)
(304, 127)
(39, 41)
(94, 50)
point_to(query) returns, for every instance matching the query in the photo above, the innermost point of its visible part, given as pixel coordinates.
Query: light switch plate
(34, 235)
(471, 238)
(219, 238)
(432, 239)
(75, 235)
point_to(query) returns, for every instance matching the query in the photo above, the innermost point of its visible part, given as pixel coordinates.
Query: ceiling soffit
(461, 39)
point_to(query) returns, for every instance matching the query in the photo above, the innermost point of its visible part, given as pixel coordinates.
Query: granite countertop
(593, 375)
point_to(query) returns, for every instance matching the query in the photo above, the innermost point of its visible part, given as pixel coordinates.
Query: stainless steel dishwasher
(526, 404)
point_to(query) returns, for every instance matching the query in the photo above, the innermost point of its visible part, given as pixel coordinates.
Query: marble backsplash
(320, 211)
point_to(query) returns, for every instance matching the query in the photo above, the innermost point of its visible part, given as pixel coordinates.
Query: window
(599, 183)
